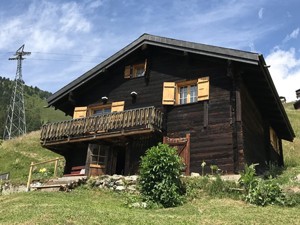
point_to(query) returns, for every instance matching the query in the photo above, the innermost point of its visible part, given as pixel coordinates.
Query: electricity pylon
(16, 122)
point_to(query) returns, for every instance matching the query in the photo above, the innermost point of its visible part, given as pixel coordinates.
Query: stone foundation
(115, 182)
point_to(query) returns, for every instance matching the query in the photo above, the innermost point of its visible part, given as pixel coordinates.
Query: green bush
(160, 172)
(248, 176)
(262, 192)
(265, 192)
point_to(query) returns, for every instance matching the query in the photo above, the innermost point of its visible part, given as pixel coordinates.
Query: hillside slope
(35, 100)
(17, 154)
(291, 150)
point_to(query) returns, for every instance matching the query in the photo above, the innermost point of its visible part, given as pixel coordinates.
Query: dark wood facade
(228, 128)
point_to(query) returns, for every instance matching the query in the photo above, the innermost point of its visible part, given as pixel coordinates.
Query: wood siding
(209, 122)
(254, 132)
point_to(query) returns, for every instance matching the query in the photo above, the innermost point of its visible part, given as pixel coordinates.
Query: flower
(43, 170)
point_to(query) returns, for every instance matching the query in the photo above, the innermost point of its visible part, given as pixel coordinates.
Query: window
(98, 109)
(101, 111)
(135, 70)
(186, 91)
(98, 154)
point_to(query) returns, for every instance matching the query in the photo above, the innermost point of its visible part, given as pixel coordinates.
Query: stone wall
(115, 182)
(7, 188)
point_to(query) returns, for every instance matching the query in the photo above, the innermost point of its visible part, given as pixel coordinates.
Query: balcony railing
(115, 123)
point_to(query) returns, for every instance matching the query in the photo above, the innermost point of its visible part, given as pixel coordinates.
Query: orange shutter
(203, 88)
(117, 106)
(79, 112)
(168, 93)
(127, 72)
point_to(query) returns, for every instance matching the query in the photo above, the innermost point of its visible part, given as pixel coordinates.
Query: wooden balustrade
(141, 118)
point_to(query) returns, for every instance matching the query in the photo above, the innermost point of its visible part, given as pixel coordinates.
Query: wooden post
(29, 177)
(55, 167)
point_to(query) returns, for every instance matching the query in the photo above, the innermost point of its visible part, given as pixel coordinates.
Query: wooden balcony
(107, 126)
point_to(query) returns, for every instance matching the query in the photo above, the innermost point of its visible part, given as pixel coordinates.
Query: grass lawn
(84, 206)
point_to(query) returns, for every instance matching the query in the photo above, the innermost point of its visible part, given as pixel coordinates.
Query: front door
(97, 159)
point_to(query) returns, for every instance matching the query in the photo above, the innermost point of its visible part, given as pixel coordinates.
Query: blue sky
(67, 38)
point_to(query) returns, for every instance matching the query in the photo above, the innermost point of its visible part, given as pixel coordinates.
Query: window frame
(188, 85)
(92, 108)
(131, 71)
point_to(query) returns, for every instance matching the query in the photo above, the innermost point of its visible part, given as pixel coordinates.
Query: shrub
(160, 172)
(248, 176)
(261, 192)
(265, 192)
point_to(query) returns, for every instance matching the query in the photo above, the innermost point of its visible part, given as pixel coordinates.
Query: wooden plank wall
(212, 142)
(254, 131)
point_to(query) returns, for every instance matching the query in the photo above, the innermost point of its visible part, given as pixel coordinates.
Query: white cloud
(95, 4)
(72, 19)
(292, 35)
(285, 71)
(261, 13)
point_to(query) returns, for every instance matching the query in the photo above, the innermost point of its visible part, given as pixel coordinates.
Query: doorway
(119, 158)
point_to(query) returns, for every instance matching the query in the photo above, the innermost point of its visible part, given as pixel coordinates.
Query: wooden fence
(32, 165)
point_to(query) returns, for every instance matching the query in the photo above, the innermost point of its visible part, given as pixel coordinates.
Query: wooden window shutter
(117, 106)
(79, 112)
(168, 93)
(203, 88)
(127, 72)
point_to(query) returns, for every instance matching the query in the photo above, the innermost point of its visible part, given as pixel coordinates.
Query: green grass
(17, 154)
(292, 149)
(101, 207)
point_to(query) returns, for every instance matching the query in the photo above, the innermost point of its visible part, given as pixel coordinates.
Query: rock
(131, 188)
(139, 205)
(116, 177)
(98, 183)
(119, 182)
(134, 177)
(120, 188)
(298, 178)
(195, 174)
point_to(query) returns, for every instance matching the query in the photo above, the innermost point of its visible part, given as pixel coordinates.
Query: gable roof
(284, 127)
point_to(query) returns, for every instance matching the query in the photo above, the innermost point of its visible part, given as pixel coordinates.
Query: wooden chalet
(213, 104)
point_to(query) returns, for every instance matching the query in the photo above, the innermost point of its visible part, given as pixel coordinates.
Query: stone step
(60, 184)
(54, 187)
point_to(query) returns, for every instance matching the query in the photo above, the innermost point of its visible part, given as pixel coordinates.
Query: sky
(66, 38)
